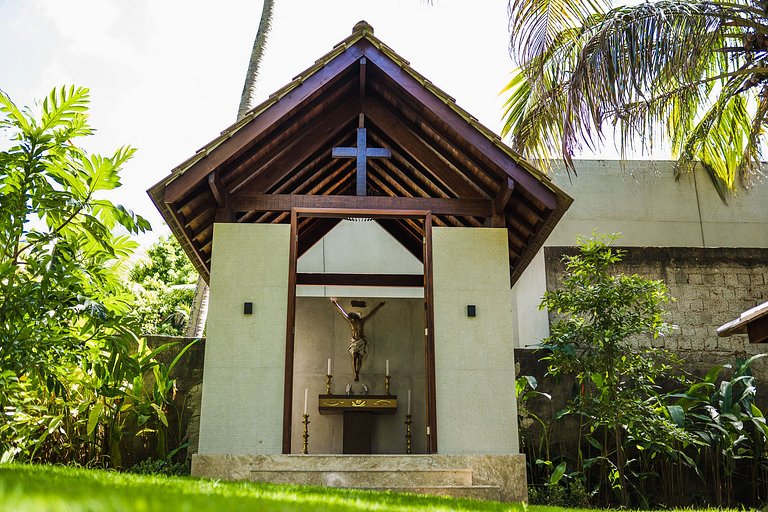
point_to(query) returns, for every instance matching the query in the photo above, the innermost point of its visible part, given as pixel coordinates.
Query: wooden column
(290, 334)
(429, 337)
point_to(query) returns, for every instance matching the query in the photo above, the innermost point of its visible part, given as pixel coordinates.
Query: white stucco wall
(642, 201)
(363, 248)
(242, 397)
(474, 357)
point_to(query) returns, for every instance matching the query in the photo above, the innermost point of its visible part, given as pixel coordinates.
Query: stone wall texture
(711, 286)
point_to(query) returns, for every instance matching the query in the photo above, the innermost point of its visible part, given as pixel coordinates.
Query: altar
(358, 413)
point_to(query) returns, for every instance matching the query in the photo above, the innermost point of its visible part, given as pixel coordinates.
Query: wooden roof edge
(489, 134)
(564, 202)
(469, 118)
(156, 195)
(361, 30)
(739, 325)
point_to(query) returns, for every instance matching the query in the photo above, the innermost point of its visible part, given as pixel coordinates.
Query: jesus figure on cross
(358, 345)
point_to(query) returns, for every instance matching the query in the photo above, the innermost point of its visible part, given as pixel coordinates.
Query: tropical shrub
(598, 315)
(74, 378)
(649, 434)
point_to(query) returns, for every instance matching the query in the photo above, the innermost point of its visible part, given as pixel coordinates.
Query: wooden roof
(279, 156)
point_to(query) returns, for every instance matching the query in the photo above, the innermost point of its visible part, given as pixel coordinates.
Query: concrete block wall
(642, 201)
(710, 285)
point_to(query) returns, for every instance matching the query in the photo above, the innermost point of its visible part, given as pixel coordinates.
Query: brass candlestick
(304, 450)
(328, 379)
(408, 434)
(387, 378)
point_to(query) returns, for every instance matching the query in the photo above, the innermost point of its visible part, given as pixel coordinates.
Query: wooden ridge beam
(473, 207)
(331, 279)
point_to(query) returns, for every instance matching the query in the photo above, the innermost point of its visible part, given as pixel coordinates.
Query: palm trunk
(199, 311)
(257, 52)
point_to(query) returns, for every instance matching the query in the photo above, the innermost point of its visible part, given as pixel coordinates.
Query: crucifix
(362, 152)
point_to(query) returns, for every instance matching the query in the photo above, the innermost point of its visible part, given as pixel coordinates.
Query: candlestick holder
(328, 379)
(408, 435)
(387, 378)
(304, 449)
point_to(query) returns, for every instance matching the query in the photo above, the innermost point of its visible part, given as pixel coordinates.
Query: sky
(166, 75)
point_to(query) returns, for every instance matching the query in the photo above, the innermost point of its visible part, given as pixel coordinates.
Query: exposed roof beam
(503, 196)
(315, 139)
(285, 202)
(417, 148)
(471, 134)
(328, 279)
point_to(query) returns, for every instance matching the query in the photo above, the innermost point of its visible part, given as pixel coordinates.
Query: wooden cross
(362, 152)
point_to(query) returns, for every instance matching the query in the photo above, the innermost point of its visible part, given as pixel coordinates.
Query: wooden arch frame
(426, 217)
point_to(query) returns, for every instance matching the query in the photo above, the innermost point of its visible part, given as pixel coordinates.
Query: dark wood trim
(501, 200)
(417, 149)
(398, 280)
(224, 215)
(344, 213)
(429, 305)
(372, 205)
(757, 330)
(362, 79)
(290, 332)
(217, 189)
(314, 141)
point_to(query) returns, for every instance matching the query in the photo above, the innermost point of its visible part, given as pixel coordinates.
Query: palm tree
(690, 73)
(199, 311)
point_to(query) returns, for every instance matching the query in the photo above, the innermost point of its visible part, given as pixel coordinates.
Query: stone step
(473, 492)
(366, 477)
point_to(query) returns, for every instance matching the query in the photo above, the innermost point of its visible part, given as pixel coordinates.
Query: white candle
(387, 367)
(305, 400)
(329, 366)
(409, 402)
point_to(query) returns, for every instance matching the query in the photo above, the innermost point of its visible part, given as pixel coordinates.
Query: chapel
(361, 234)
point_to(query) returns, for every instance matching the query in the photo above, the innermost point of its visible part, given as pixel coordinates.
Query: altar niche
(394, 333)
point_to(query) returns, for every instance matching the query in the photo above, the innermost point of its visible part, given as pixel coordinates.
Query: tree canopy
(690, 73)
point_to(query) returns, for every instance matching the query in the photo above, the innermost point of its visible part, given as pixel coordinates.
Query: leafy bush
(164, 284)
(75, 378)
(638, 444)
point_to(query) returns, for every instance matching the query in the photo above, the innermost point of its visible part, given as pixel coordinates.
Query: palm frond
(654, 72)
(535, 25)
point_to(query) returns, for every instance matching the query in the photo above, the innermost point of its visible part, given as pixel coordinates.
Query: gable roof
(278, 156)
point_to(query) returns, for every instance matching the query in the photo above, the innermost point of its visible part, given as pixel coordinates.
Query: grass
(25, 488)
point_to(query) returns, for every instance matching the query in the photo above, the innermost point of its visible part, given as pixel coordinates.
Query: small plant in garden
(598, 314)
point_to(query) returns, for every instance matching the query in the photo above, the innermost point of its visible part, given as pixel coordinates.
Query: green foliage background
(163, 284)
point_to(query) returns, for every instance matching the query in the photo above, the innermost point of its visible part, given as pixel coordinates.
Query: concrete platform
(490, 477)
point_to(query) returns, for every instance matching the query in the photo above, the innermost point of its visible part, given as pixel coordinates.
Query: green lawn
(26, 488)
